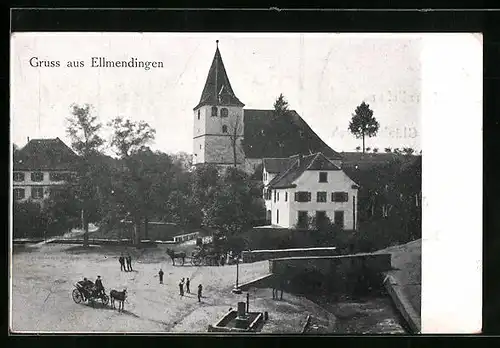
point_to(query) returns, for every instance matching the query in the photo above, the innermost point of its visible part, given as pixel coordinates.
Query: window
(302, 196)
(37, 176)
(214, 110)
(339, 197)
(37, 192)
(224, 112)
(278, 196)
(59, 176)
(338, 218)
(321, 197)
(18, 176)
(320, 218)
(19, 193)
(277, 216)
(198, 114)
(323, 177)
(302, 219)
(224, 129)
(286, 196)
(274, 199)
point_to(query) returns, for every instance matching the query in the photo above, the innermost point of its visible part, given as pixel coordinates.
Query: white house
(40, 167)
(313, 185)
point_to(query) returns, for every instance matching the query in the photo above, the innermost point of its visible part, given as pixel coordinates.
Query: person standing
(129, 262)
(187, 286)
(181, 288)
(121, 259)
(200, 289)
(98, 286)
(160, 274)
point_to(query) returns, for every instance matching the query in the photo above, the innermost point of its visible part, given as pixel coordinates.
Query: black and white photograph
(257, 183)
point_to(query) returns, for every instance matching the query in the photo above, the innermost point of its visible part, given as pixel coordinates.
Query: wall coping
(329, 257)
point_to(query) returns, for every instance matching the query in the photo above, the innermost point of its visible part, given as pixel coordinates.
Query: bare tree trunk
(85, 226)
(363, 143)
(234, 153)
(137, 231)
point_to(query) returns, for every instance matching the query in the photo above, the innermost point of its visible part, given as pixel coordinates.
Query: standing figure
(98, 286)
(160, 274)
(181, 288)
(129, 262)
(122, 263)
(187, 286)
(200, 289)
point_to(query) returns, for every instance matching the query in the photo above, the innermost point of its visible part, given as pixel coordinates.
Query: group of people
(125, 263)
(91, 289)
(183, 282)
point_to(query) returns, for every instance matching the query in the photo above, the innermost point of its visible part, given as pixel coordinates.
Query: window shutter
(308, 196)
(333, 196)
(296, 196)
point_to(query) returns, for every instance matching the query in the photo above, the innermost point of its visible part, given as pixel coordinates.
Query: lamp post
(237, 289)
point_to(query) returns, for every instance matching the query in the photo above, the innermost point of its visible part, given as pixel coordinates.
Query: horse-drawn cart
(199, 257)
(206, 257)
(81, 294)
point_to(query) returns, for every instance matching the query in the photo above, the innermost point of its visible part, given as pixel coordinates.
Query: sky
(323, 77)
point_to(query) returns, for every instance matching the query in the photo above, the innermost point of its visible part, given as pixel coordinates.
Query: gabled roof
(368, 160)
(260, 142)
(218, 85)
(276, 165)
(45, 154)
(298, 165)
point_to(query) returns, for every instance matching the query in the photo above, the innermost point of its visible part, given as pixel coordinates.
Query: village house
(302, 187)
(224, 132)
(41, 167)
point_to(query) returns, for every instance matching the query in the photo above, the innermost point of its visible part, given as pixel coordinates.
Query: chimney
(28, 140)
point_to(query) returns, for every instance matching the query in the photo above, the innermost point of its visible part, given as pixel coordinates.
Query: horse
(120, 296)
(176, 255)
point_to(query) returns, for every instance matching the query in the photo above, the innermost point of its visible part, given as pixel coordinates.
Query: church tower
(218, 120)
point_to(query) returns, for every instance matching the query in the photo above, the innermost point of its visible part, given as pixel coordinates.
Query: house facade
(224, 132)
(41, 167)
(302, 187)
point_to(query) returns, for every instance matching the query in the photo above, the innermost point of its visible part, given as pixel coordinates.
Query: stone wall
(345, 273)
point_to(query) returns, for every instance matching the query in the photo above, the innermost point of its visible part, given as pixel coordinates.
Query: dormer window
(198, 114)
(224, 112)
(224, 129)
(214, 110)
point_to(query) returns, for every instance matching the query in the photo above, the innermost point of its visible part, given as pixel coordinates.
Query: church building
(225, 133)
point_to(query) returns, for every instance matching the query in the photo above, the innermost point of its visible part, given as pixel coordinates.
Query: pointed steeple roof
(218, 90)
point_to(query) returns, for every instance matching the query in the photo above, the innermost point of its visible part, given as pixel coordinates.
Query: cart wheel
(77, 296)
(105, 299)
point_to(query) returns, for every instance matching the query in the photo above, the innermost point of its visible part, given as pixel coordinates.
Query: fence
(186, 237)
(259, 255)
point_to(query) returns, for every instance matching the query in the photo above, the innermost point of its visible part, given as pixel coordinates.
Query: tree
(388, 149)
(128, 139)
(235, 131)
(363, 124)
(233, 207)
(408, 151)
(368, 149)
(375, 149)
(83, 129)
(280, 106)
(358, 148)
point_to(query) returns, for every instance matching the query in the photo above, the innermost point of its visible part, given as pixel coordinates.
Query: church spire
(217, 88)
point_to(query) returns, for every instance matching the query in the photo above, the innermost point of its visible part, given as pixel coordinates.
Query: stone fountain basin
(229, 322)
